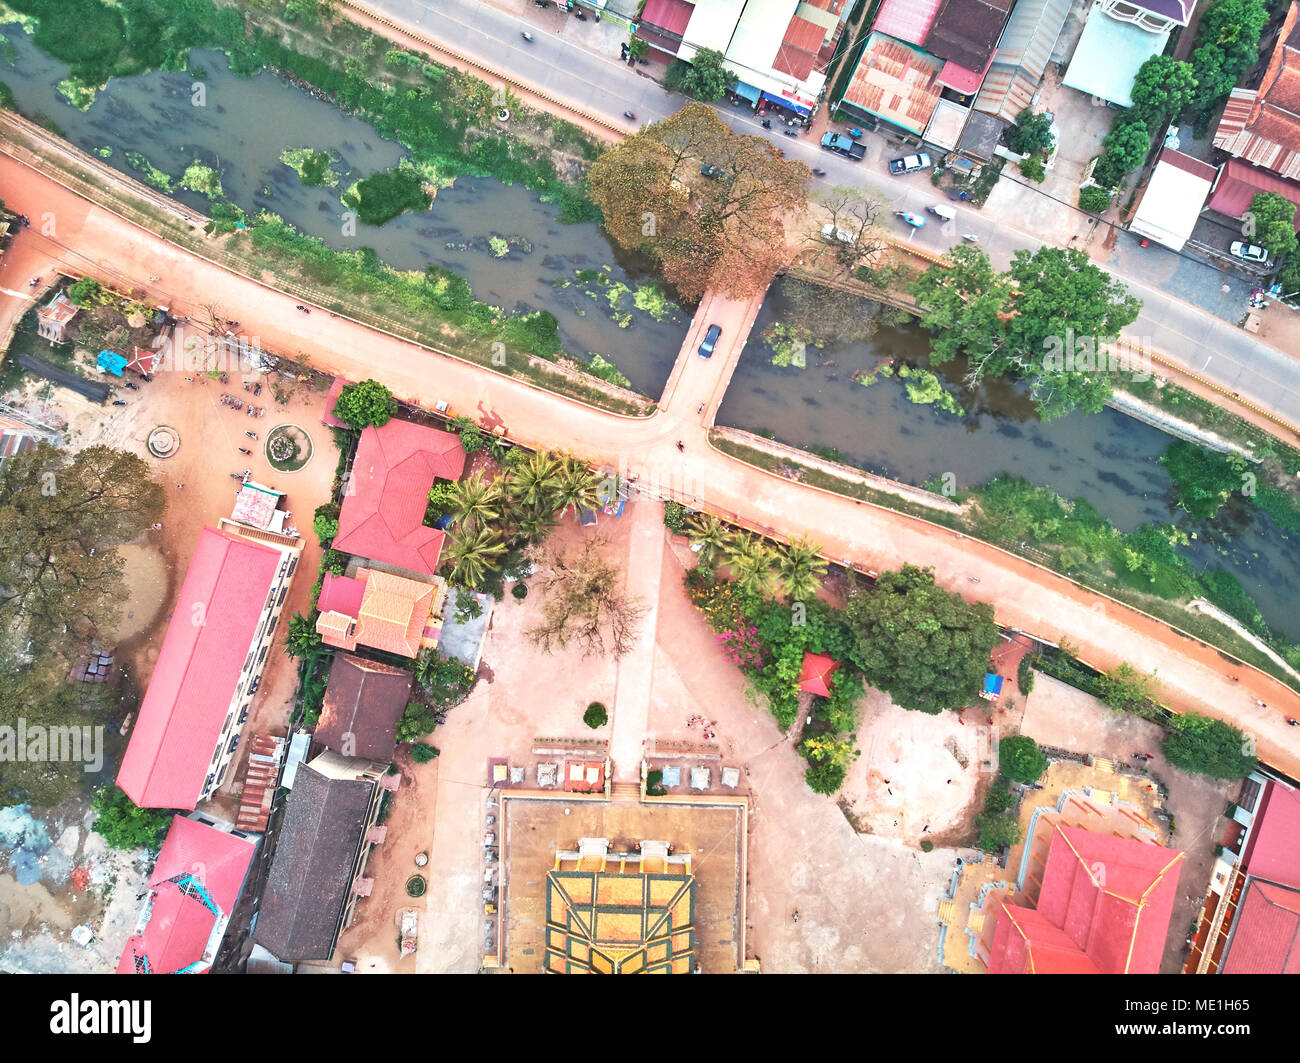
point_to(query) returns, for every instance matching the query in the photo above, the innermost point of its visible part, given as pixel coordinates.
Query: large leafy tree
(726, 232)
(1061, 296)
(534, 480)
(925, 646)
(1045, 320)
(367, 403)
(1227, 45)
(1032, 133)
(704, 77)
(1020, 758)
(1163, 87)
(61, 516)
(1211, 747)
(1123, 150)
(1270, 222)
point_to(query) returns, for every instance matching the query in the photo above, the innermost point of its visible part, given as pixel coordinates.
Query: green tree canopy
(417, 721)
(1227, 45)
(1032, 133)
(302, 637)
(1211, 747)
(61, 516)
(1020, 759)
(925, 646)
(1270, 222)
(123, 825)
(1124, 149)
(704, 77)
(365, 404)
(1164, 86)
(86, 292)
(997, 829)
(726, 232)
(1046, 320)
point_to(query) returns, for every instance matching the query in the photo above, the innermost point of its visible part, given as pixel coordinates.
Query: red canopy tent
(816, 675)
(142, 361)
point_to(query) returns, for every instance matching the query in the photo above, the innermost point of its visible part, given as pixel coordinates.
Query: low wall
(844, 472)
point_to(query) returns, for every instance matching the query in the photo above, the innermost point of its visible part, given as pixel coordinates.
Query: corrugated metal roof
(1022, 57)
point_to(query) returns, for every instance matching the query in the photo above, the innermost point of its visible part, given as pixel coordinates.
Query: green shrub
(675, 517)
(365, 404)
(325, 527)
(1202, 744)
(927, 846)
(86, 292)
(422, 753)
(825, 777)
(1025, 672)
(999, 798)
(595, 717)
(1032, 167)
(1094, 199)
(416, 722)
(997, 829)
(384, 196)
(123, 824)
(520, 591)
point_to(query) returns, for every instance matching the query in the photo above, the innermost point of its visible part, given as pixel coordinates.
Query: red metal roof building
(1262, 125)
(1103, 908)
(1266, 936)
(1238, 183)
(388, 492)
(207, 671)
(815, 677)
(193, 889)
(663, 22)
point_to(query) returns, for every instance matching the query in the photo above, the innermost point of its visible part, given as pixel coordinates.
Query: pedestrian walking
(179, 486)
(1260, 704)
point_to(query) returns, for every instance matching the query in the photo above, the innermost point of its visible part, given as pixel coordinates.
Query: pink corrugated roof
(908, 20)
(1273, 851)
(1266, 936)
(670, 15)
(180, 924)
(212, 627)
(383, 512)
(1238, 184)
(1110, 897)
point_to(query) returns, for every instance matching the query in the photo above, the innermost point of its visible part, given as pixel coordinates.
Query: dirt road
(1193, 676)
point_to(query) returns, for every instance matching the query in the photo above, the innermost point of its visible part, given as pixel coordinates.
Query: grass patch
(312, 167)
(385, 196)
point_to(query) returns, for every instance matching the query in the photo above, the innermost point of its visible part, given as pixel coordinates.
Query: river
(244, 124)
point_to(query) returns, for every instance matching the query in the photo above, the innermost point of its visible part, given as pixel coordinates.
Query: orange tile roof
(393, 612)
(1263, 125)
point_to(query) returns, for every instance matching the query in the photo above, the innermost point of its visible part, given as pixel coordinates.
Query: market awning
(815, 678)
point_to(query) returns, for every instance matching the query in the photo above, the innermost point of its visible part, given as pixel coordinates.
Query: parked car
(710, 341)
(1251, 253)
(910, 163)
(843, 145)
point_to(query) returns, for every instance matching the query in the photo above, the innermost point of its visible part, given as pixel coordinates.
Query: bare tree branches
(584, 602)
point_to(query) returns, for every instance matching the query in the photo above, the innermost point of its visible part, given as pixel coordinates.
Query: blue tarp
(587, 517)
(747, 92)
(992, 686)
(111, 362)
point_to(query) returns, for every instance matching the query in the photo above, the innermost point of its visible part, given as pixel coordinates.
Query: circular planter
(288, 448)
(163, 441)
(416, 885)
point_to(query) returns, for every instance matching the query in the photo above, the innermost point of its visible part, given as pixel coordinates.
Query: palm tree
(800, 568)
(750, 559)
(534, 480)
(476, 502)
(710, 537)
(531, 525)
(473, 553)
(576, 486)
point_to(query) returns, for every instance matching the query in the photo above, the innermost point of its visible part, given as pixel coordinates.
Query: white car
(1251, 253)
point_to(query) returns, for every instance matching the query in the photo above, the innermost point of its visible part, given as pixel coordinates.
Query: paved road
(1187, 334)
(1192, 675)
